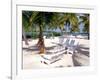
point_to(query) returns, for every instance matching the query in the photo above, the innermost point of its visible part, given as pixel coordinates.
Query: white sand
(32, 60)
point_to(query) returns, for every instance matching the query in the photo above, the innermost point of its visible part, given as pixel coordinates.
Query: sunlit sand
(32, 58)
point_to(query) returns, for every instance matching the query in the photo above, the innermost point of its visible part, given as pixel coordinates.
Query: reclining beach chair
(72, 46)
(55, 56)
(67, 42)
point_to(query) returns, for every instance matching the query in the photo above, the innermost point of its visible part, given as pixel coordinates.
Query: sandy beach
(32, 60)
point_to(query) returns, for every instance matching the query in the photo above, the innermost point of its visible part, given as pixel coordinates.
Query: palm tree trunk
(24, 37)
(40, 43)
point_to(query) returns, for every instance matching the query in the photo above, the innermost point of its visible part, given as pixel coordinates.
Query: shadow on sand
(81, 56)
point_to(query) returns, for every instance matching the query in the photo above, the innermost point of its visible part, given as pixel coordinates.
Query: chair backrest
(76, 42)
(67, 41)
(72, 42)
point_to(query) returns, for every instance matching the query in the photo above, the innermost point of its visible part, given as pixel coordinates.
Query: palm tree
(85, 20)
(40, 19)
(72, 21)
(25, 24)
(52, 20)
(58, 21)
(24, 37)
(69, 19)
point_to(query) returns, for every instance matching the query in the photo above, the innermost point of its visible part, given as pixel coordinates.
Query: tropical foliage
(51, 20)
(85, 20)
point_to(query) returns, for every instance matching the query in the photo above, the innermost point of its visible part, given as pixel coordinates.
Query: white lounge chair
(50, 58)
(67, 42)
(70, 44)
(71, 47)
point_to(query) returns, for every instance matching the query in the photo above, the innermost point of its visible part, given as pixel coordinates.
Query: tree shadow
(75, 62)
(81, 51)
(50, 48)
(31, 48)
(35, 48)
